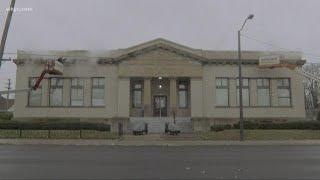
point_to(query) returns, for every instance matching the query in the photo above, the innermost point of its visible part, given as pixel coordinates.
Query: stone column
(123, 97)
(196, 98)
(173, 97)
(147, 97)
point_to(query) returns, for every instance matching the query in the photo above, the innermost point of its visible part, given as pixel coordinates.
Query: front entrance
(160, 106)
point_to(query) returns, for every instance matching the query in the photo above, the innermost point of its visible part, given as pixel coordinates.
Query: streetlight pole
(240, 78)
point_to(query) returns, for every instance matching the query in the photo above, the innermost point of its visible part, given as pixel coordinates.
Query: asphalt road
(103, 162)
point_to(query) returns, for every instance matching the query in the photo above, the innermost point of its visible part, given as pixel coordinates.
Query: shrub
(54, 126)
(312, 125)
(217, 128)
(6, 115)
(318, 116)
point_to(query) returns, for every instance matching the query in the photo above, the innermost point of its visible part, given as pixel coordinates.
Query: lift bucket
(54, 67)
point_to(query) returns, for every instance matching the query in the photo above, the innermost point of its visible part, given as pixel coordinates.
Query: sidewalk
(98, 142)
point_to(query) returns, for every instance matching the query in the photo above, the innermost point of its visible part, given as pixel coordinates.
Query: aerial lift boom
(52, 67)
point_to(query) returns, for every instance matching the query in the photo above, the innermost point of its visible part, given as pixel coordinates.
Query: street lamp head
(250, 16)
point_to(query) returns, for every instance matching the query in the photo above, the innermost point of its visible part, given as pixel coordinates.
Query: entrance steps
(157, 124)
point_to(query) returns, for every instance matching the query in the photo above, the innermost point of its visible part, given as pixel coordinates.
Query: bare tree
(311, 86)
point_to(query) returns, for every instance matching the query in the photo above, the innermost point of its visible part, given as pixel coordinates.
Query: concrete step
(157, 124)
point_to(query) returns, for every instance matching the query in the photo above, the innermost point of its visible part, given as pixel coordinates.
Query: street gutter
(100, 142)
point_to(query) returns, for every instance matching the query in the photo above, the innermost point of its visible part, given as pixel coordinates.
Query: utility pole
(8, 93)
(6, 29)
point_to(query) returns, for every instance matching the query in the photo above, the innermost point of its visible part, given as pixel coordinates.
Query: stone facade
(147, 63)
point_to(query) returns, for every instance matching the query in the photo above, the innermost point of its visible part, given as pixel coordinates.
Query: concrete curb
(153, 142)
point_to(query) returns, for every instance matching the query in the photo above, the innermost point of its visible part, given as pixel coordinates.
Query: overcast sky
(206, 24)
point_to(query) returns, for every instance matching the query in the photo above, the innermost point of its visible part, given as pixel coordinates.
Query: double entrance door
(160, 106)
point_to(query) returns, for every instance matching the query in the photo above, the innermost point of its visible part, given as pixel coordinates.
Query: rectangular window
(222, 91)
(137, 94)
(283, 91)
(245, 92)
(183, 94)
(56, 89)
(76, 92)
(98, 89)
(34, 95)
(263, 92)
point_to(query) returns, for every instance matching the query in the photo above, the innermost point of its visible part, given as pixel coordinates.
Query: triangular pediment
(160, 57)
(160, 46)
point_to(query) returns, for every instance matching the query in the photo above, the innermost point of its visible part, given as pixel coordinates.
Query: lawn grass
(262, 135)
(58, 134)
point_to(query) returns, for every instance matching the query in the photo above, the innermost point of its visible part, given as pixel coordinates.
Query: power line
(276, 46)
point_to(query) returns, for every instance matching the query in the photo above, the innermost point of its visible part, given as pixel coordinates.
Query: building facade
(156, 82)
